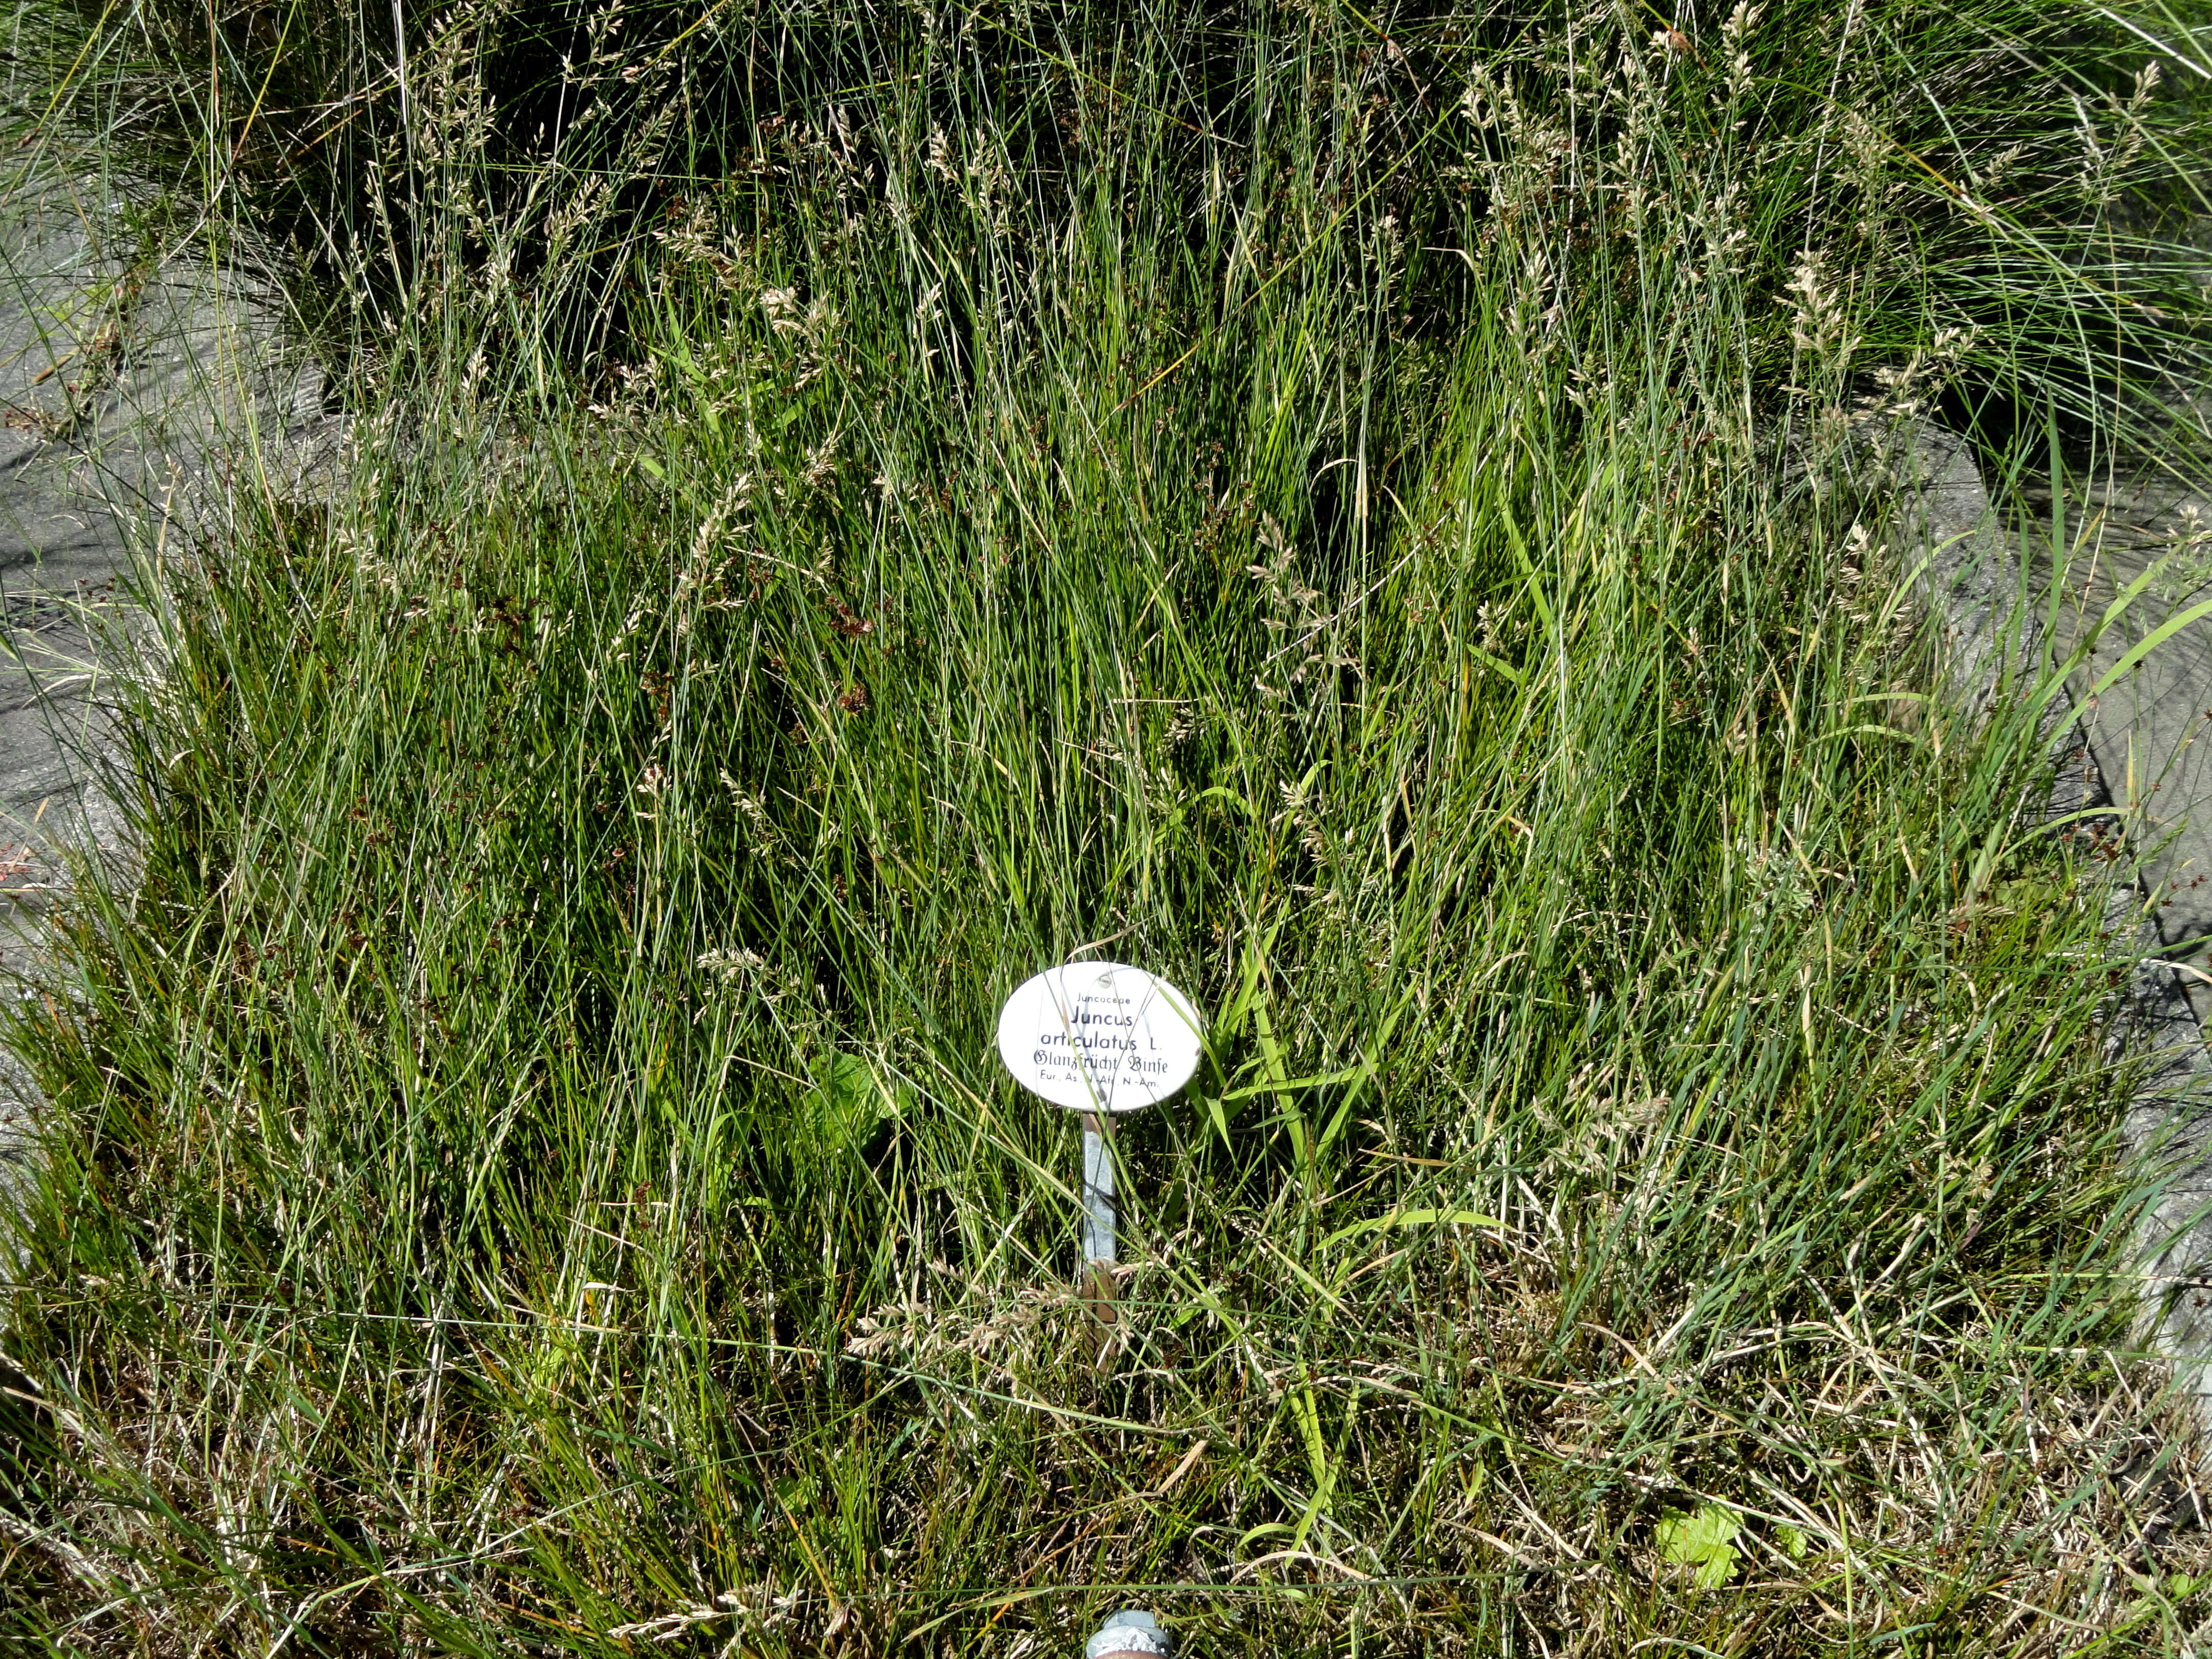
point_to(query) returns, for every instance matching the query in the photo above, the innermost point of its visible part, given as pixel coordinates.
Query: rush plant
(1386, 519)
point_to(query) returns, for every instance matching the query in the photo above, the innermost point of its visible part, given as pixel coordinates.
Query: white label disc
(1096, 1036)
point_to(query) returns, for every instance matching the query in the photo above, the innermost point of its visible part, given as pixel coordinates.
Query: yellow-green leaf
(1412, 1218)
(1704, 1538)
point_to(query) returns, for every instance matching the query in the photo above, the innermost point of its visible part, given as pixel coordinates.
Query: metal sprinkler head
(1128, 1634)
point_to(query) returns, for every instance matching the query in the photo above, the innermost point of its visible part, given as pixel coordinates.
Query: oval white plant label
(1098, 1037)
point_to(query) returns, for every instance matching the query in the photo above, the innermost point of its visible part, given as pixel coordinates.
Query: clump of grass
(1370, 521)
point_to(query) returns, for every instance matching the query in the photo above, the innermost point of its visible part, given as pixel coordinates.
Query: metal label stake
(1097, 1193)
(1096, 1289)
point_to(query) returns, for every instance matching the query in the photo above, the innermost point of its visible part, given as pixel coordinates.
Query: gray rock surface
(2169, 1130)
(139, 383)
(2148, 730)
(2143, 730)
(1974, 585)
(2135, 753)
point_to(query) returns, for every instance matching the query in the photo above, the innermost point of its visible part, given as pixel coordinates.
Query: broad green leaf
(1704, 1538)
(844, 1105)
